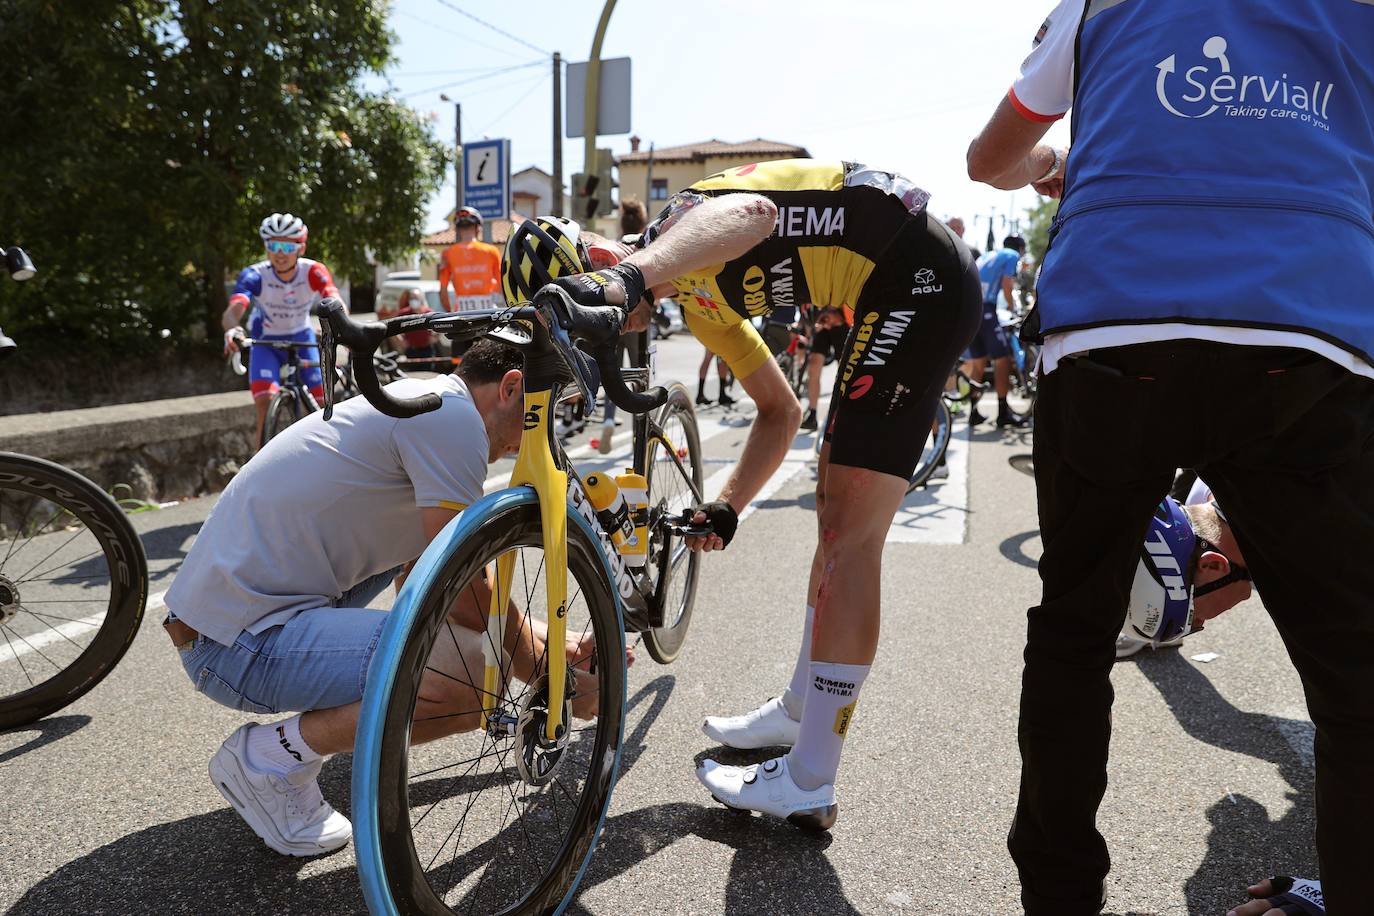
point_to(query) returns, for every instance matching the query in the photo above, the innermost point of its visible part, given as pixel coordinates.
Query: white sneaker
(1126, 646)
(607, 435)
(768, 788)
(767, 726)
(286, 811)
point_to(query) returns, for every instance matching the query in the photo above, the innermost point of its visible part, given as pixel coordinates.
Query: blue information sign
(486, 177)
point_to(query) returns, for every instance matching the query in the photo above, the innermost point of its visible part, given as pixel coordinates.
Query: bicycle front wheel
(494, 819)
(674, 569)
(936, 445)
(284, 410)
(73, 584)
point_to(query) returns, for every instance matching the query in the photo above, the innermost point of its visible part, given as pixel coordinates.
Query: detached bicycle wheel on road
(73, 584)
(674, 570)
(491, 820)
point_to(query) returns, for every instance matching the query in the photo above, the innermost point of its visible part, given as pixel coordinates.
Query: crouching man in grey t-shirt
(269, 611)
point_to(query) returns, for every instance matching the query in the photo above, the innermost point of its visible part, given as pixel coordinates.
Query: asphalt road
(108, 808)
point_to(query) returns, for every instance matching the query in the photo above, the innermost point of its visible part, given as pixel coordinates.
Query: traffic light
(592, 193)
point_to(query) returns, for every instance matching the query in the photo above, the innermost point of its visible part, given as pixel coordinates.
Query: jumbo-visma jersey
(835, 222)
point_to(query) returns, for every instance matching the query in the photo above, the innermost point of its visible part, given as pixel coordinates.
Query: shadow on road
(212, 864)
(1245, 843)
(168, 544)
(49, 730)
(1014, 549)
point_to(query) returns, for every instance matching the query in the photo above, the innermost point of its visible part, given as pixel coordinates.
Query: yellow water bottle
(610, 508)
(635, 490)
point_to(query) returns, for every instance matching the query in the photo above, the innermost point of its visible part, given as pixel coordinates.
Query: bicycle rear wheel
(674, 569)
(473, 822)
(73, 584)
(284, 410)
(936, 445)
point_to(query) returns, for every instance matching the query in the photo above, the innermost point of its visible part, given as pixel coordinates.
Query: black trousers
(1285, 438)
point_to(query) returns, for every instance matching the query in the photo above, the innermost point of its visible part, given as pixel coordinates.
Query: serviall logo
(1217, 87)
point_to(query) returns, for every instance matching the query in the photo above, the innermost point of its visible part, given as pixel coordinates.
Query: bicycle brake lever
(328, 357)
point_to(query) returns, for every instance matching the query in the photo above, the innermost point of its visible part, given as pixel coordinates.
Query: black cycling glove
(590, 288)
(722, 518)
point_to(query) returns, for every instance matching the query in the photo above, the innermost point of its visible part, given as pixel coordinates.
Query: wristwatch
(1054, 169)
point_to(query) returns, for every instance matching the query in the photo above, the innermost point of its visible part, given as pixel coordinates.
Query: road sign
(613, 105)
(486, 177)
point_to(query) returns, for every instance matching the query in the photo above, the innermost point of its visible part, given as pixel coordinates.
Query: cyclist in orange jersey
(474, 267)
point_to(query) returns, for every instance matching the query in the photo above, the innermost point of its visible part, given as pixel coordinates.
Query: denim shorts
(316, 660)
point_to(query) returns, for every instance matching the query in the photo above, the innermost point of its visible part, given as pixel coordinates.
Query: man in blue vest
(1215, 239)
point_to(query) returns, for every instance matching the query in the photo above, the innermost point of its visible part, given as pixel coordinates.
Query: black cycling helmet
(539, 250)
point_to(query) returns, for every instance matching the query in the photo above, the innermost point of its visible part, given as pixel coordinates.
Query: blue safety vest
(1222, 170)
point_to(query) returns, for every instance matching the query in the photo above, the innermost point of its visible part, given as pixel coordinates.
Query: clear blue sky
(900, 85)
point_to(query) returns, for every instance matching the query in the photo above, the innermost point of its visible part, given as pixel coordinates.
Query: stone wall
(163, 450)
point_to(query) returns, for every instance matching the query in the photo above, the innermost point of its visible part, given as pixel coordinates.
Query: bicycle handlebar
(551, 306)
(236, 358)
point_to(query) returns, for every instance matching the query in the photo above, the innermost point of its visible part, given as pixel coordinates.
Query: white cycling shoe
(768, 788)
(286, 811)
(1126, 646)
(767, 726)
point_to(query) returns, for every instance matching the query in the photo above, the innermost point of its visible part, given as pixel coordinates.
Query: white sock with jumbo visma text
(794, 697)
(830, 700)
(279, 747)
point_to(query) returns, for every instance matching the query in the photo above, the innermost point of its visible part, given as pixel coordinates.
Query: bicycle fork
(536, 467)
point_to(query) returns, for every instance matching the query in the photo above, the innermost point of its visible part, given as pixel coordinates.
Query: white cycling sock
(279, 747)
(829, 708)
(794, 697)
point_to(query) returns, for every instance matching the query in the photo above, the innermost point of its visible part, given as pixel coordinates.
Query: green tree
(146, 141)
(1038, 220)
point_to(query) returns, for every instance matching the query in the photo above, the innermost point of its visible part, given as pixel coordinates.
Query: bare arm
(771, 435)
(1008, 154)
(719, 230)
(1007, 289)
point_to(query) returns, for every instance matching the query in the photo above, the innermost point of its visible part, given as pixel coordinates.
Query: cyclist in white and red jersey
(281, 289)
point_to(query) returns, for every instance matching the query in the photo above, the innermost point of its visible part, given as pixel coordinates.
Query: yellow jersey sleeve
(738, 343)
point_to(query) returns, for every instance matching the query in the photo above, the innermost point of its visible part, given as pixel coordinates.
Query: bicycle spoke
(75, 535)
(14, 654)
(39, 577)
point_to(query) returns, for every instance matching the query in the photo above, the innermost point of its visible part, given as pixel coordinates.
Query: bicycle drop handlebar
(564, 319)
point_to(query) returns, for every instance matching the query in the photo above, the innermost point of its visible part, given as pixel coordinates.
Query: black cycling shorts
(915, 316)
(991, 340)
(829, 342)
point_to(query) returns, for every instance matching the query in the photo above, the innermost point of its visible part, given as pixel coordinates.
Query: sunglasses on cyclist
(276, 247)
(1237, 572)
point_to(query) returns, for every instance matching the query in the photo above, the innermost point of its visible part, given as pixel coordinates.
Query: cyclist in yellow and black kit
(737, 245)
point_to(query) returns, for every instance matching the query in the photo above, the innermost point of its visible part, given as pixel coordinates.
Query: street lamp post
(593, 95)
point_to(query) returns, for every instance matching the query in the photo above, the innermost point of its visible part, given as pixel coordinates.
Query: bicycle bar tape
(363, 340)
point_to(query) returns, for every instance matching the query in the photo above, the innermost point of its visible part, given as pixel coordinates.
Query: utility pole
(556, 185)
(457, 160)
(649, 182)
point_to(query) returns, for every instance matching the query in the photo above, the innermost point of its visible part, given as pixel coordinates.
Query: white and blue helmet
(1161, 603)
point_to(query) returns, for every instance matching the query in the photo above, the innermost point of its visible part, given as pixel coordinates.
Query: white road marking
(938, 514)
(12, 649)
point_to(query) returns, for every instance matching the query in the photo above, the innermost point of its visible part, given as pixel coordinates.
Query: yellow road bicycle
(503, 816)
